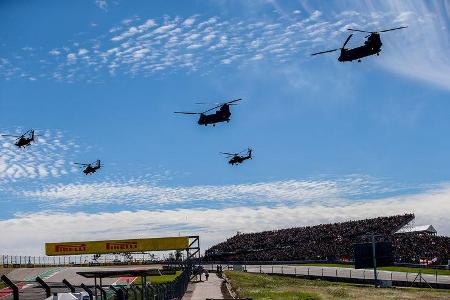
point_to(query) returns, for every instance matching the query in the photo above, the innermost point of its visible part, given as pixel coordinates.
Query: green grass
(263, 286)
(159, 279)
(392, 269)
(2, 285)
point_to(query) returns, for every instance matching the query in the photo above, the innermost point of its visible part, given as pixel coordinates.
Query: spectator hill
(332, 242)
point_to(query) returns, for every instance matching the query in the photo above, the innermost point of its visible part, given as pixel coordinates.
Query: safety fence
(363, 276)
(15, 261)
(39, 289)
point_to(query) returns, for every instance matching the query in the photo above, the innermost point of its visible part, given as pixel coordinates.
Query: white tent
(429, 229)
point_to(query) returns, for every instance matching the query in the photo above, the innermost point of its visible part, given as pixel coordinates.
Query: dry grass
(262, 286)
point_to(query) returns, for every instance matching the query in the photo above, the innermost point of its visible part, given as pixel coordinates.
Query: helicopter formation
(372, 46)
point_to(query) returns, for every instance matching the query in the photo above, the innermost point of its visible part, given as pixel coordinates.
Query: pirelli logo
(70, 248)
(117, 246)
(121, 246)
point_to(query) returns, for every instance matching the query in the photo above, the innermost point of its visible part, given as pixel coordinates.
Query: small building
(424, 229)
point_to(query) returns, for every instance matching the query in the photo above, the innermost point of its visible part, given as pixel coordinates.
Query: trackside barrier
(45, 286)
(69, 285)
(345, 275)
(88, 290)
(13, 287)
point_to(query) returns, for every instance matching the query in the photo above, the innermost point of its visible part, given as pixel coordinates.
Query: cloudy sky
(100, 79)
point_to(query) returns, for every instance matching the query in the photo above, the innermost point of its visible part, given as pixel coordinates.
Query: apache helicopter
(238, 158)
(221, 115)
(90, 168)
(371, 46)
(24, 139)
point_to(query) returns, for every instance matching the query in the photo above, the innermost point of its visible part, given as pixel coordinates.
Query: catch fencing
(340, 274)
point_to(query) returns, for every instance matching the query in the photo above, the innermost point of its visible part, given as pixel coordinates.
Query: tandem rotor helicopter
(371, 46)
(238, 158)
(221, 115)
(23, 140)
(90, 168)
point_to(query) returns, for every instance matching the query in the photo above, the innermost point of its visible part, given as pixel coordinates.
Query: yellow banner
(117, 246)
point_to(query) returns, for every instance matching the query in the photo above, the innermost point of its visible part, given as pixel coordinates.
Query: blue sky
(332, 141)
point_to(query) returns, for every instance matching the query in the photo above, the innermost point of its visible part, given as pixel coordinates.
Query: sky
(100, 79)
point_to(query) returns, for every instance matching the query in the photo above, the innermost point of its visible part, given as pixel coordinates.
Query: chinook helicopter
(238, 158)
(371, 46)
(24, 139)
(223, 114)
(90, 168)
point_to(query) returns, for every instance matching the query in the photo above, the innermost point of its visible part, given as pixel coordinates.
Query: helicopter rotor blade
(396, 28)
(346, 41)
(232, 101)
(16, 136)
(322, 52)
(80, 164)
(358, 30)
(230, 154)
(186, 113)
(221, 104)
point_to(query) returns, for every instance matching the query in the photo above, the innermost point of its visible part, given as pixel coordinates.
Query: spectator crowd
(330, 242)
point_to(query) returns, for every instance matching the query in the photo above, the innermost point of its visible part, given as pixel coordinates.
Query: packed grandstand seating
(330, 242)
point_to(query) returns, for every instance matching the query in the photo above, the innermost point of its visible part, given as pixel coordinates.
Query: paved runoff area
(202, 290)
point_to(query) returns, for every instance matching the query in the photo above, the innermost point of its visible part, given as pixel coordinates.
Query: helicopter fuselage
(221, 115)
(371, 46)
(90, 169)
(23, 142)
(238, 159)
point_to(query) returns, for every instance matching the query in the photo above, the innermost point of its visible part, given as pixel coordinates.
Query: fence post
(436, 276)
(44, 286)
(308, 271)
(69, 285)
(406, 277)
(282, 270)
(322, 272)
(260, 271)
(391, 276)
(295, 271)
(272, 269)
(364, 274)
(13, 287)
(350, 273)
(103, 293)
(88, 290)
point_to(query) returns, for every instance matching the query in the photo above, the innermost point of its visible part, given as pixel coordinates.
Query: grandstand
(331, 242)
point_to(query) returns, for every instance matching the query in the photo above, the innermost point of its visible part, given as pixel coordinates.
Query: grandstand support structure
(193, 252)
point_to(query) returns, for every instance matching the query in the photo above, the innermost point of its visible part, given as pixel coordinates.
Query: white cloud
(138, 193)
(102, 4)
(213, 225)
(236, 41)
(189, 22)
(55, 52)
(38, 159)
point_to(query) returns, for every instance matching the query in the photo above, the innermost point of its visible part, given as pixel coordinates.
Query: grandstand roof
(418, 229)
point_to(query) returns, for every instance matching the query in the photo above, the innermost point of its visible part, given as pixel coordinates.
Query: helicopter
(238, 158)
(371, 46)
(24, 139)
(221, 115)
(90, 168)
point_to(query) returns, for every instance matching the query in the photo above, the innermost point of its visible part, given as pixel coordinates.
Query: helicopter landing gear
(378, 54)
(359, 60)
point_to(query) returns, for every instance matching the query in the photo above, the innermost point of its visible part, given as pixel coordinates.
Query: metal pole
(374, 261)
